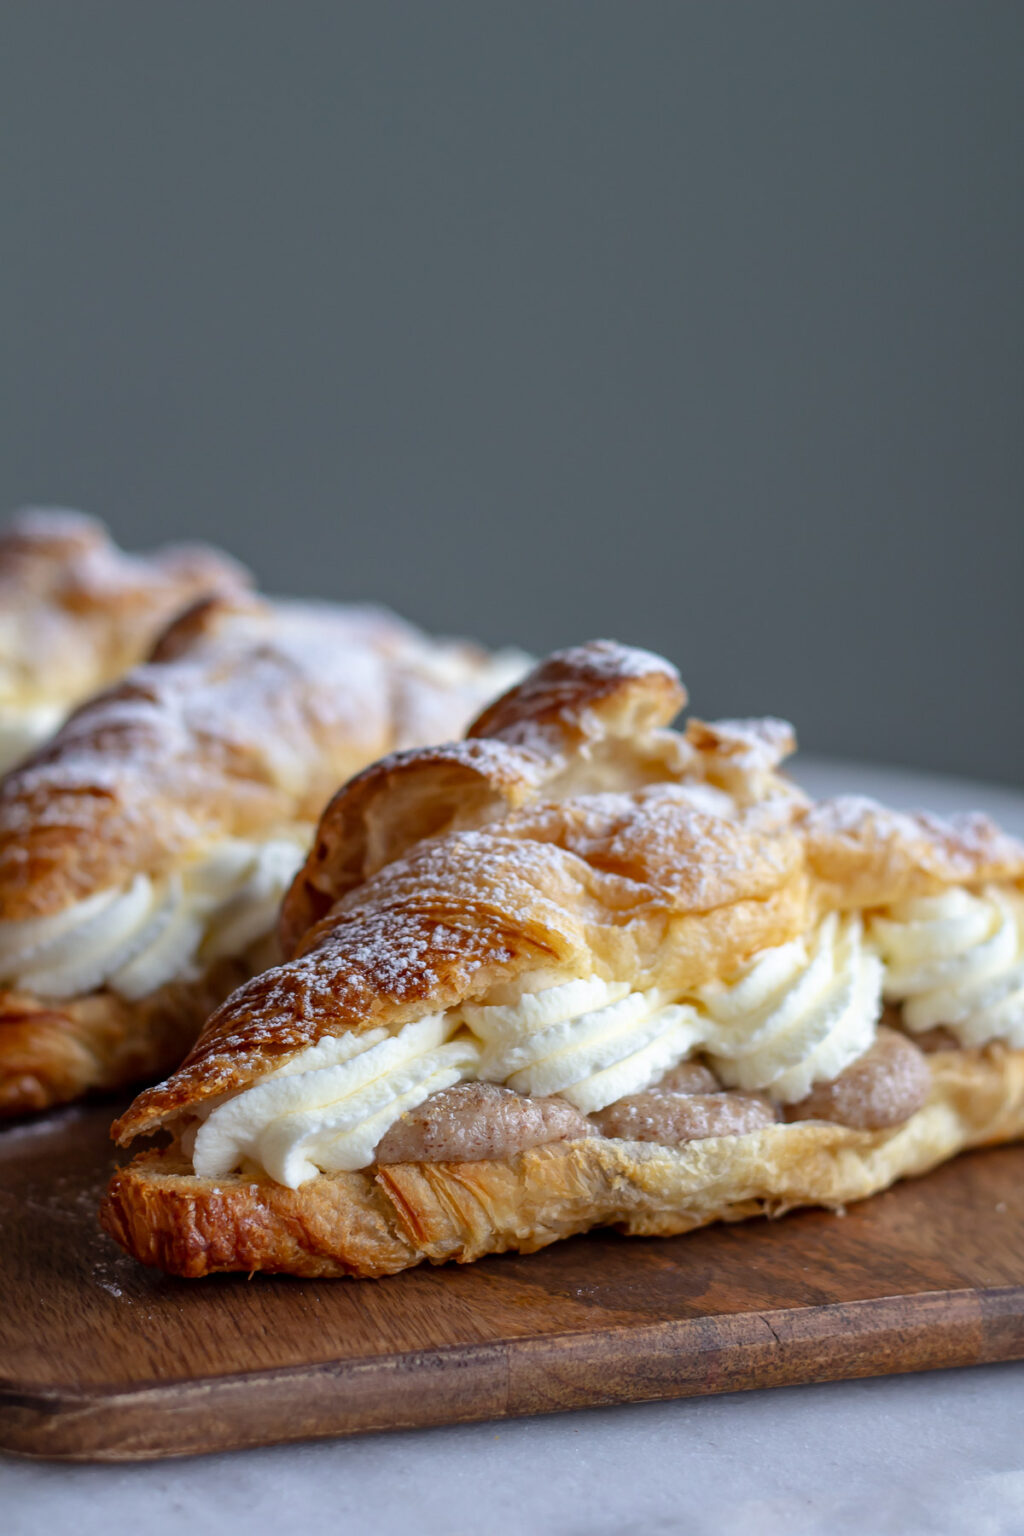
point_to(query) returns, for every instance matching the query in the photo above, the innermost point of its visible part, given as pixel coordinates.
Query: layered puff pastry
(145, 850)
(76, 612)
(580, 969)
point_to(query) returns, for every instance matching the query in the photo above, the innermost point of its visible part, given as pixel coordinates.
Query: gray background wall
(697, 324)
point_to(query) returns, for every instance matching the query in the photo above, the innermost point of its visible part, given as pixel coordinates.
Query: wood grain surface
(103, 1360)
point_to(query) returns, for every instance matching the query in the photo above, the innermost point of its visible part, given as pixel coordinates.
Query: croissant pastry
(145, 850)
(580, 969)
(76, 613)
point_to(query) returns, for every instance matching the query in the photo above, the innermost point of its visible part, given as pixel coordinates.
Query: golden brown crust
(79, 611)
(861, 854)
(589, 718)
(245, 721)
(52, 1053)
(395, 804)
(570, 704)
(384, 1220)
(586, 692)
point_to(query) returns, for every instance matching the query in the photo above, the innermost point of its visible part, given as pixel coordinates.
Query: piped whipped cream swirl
(590, 1041)
(799, 1013)
(326, 1109)
(957, 960)
(135, 938)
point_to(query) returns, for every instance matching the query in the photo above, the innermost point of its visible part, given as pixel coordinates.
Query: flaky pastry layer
(76, 612)
(52, 1053)
(388, 1219)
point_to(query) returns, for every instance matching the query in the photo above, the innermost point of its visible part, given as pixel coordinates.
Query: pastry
(76, 613)
(144, 851)
(580, 969)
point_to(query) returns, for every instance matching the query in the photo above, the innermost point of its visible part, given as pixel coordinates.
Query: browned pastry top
(76, 612)
(247, 717)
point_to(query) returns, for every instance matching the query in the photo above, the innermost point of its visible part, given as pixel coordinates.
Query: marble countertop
(930, 1455)
(937, 1453)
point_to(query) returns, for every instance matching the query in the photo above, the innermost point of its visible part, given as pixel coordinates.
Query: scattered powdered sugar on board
(69, 1203)
(22, 1132)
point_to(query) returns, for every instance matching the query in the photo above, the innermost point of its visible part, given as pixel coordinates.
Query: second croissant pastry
(144, 852)
(76, 612)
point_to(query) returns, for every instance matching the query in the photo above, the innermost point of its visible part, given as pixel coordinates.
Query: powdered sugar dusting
(755, 745)
(692, 851)
(359, 976)
(611, 659)
(587, 690)
(970, 836)
(966, 847)
(76, 611)
(252, 723)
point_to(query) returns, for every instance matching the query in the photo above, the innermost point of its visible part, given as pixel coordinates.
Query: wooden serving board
(103, 1360)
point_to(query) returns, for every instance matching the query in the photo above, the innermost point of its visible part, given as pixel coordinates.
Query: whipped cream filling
(798, 1014)
(135, 938)
(24, 726)
(590, 1041)
(326, 1109)
(957, 960)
